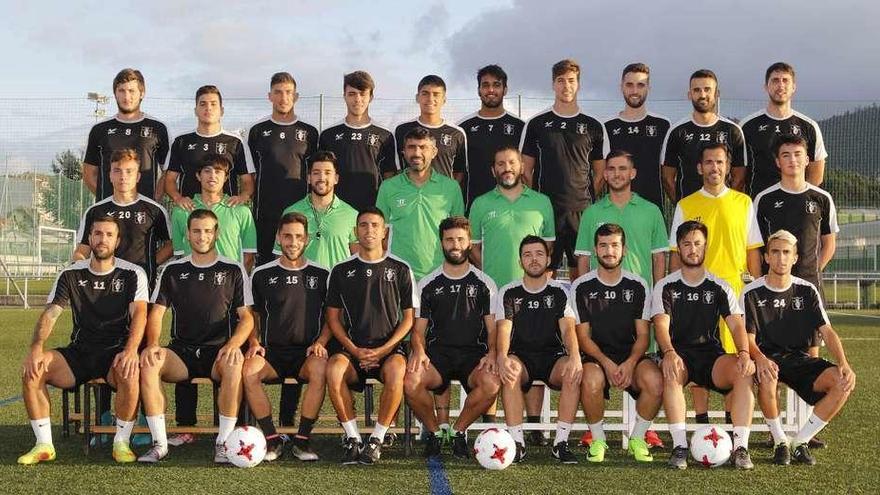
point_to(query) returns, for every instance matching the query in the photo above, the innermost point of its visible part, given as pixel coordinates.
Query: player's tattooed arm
(34, 364)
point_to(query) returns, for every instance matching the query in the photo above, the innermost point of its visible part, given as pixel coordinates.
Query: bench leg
(407, 430)
(65, 414)
(368, 405)
(87, 414)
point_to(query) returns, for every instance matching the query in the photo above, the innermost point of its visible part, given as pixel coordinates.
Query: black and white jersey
(99, 301)
(683, 145)
(564, 147)
(694, 310)
(783, 320)
(535, 316)
(145, 224)
(808, 215)
(204, 299)
(451, 146)
(364, 154)
(147, 136)
(188, 150)
(761, 130)
(643, 139)
(290, 303)
(372, 296)
(455, 308)
(485, 135)
(611, 310)
(280, 152)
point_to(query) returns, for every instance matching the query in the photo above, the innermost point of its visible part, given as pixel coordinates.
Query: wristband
(667, 351)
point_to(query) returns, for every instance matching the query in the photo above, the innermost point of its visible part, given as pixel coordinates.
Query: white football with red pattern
(494, 449)
(246, 446)
(711, 446)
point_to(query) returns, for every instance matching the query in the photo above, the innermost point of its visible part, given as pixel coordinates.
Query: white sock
(814, 425)
(123, 430)
(775, 426)
(598, 431)
(379, 431)
(157, 430)
(640, 428)
(42, 430)
(227, 424)
(351, 429)
(444, 427)
(679, 434)
(562, 431)
(741, 437)
(517, 433)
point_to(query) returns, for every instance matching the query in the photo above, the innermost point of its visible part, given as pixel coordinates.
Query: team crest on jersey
(373, 139)
(146, 131)
(708, 296)
(548, 301)
(140, 217)
(722, 137)
(471, 290)
(812, 207)
(627, 295)
(311, 282)
(390, 274)
(582, 128)
(689, 136)
(401, 202)
(273, 280)
(221, 148)
(492, 214)
(797, 303)
(651, 130)
(508, 129)
(446, 139)
(795, 129)
(219, 278)
(118, 285)
(300, 135)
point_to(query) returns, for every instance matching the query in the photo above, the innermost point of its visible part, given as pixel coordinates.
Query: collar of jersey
(383, 258)
(358, 127)
(209, 265)
(135, 121)
(791, 191)
(779, 289)
(93, 272)
(707, 194)
(607, 203)
(579, 112)
(198, 198)
(135, 200)
(717, 119)
(432, 178)
(276, 122)
(278, 263)
(418, 120)
(503, 114)
(199, 134)
(527, 191)
(333, 204)
(450, 277)
(685, 282)
(790, 115)
(616, 282)
(523, 284)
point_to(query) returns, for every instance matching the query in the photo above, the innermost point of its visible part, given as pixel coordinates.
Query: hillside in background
(853, 168)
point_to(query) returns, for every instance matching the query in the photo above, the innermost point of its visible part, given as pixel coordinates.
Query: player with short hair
(108, 298)
(686, 307)
(205, 343)
(639, 132)
(783, 313)
(488, 130)
(416, 201)
(536, 340)
(453, 339)
(613, 311)
(130, 128)
(290, 339)
(763, 127)
(683, 145)
(450, 140)
(563, 157)
(365, 150)
(188, 152)
(370, 302)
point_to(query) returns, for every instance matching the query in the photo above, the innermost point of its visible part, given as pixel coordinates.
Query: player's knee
(412, 383)
(489, 383)
(592, 380)
(316, 370)
(652, 384)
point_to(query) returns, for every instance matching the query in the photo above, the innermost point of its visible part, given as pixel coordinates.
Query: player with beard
(613, 309)
(453, 339)
(130, 128)
(108, 298)
(778, 118)
(639, 132)
(536, 340)
(686, 306)
(488, 130)
(289, 295)
(205, 343)
(783, 313)
(684, 142)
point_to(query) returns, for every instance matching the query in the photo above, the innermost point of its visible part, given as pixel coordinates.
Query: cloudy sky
(70, 48)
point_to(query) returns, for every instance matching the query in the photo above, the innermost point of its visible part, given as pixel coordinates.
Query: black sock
(533, 419)
(702, 418)
(267, 426)
(489, 418)
(305, 427)
(727, 418)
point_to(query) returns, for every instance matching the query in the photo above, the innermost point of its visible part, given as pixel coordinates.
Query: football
(246, 446)
(494, 449)
(711, 446)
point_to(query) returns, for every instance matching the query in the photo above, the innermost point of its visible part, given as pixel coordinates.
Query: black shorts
(539, 365)
(89, 361)
(617, 358)
(199, 360)
(454, 364)
(286, 361)
(699, 362)
(374, 373)
(800, 371)
(567, 223)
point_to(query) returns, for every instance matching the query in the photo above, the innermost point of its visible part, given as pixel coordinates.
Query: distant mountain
(852, 171)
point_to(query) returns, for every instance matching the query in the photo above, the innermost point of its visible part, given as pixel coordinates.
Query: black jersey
(783, 320)
(145, 224)
(455, 308)
(204, 299)
(451, 146)
(364, 154)
(611, 310)
(643, 139)
(694, 310)
(279, 152)
(684, 142)
(147, 136)
(372, 296)
(760, 131)
(99, 301)
(485, 135)
(564, 147)
(535, 316)
(188, 150)
(808, 215)
(290, 303)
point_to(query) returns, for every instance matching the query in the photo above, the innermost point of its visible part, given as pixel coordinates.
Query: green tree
(65, 196)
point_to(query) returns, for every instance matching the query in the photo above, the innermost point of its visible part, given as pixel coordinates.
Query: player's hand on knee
(572, 369)
(126, 363)
(418, 360)
(744, 364)
(847, 377)
(672, 365)
(488, 363)
(34, 364)
(151, 356)
(766, 369)
(509, 370)
(255, 350)
(318, 350)
(230, 355)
